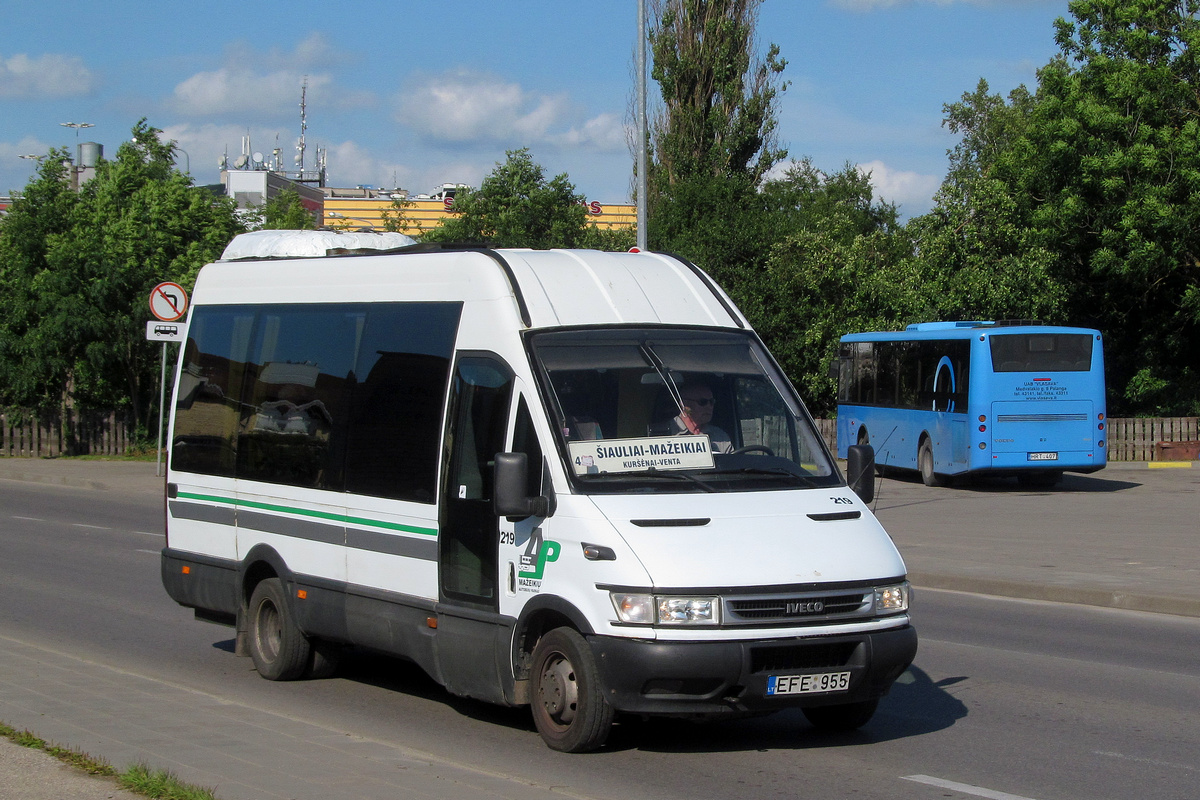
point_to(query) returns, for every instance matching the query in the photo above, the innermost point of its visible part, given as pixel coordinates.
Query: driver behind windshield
(696, 416)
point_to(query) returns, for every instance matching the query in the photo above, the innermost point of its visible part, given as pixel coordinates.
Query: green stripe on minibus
(304, 512)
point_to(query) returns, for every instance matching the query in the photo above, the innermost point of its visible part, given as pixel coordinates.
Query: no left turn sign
(168, 301)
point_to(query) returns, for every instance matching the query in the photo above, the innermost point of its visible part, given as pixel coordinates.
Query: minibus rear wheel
(279, 650)
(841, 718)
(568, 703)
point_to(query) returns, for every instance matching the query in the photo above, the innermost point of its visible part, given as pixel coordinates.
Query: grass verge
(139, 778)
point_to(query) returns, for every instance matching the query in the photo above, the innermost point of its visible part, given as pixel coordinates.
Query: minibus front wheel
(568, 703)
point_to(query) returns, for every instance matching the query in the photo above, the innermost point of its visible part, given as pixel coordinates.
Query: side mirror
(860, 470)
(509, 498)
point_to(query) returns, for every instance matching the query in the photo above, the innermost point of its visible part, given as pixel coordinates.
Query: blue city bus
(975, 398)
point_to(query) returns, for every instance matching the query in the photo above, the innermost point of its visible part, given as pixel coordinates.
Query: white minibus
(572, 480)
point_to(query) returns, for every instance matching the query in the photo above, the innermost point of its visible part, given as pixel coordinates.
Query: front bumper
(715, 678)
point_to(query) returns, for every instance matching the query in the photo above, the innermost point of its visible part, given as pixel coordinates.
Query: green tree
(395, 217)
(1079, 203)
(286, 212)
(30, 359)
(713, 140)
(136, 223)
(841, 264)
(719, 99)
(517, 207)
(1109, 172)
(977, 254)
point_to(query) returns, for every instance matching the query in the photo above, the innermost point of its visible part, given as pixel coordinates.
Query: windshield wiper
(807, 480)
(651, 473)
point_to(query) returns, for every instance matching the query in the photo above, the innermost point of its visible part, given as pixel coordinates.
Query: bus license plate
(1043, 456)
(808, 684)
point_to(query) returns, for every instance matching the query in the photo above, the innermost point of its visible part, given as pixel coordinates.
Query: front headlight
(647, 609)
(892, 599)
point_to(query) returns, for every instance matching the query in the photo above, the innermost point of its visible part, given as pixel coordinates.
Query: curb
(1103, 598)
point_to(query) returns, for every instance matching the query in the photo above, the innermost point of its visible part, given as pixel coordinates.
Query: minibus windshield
(676, 410)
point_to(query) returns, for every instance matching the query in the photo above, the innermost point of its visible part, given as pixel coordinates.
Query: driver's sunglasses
(699, 401)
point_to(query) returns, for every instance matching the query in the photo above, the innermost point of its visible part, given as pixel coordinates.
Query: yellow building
(366, 208)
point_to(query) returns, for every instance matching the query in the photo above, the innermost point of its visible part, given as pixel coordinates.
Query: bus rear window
(1041, 352)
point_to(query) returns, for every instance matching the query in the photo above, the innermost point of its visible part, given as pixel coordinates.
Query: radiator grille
(798, 607)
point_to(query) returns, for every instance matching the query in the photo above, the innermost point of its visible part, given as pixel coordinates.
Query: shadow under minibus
(915, 705)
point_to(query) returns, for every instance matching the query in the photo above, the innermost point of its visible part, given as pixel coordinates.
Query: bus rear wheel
(925, 464)
(569, 708)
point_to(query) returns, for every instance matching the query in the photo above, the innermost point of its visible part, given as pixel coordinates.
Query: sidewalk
(1123, 538)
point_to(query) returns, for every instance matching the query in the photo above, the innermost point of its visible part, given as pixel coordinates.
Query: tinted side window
(402, 371)
(337, 397)
(204, 433)
(295, 397)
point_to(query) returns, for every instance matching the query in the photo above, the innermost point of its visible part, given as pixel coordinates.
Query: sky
(413, 94)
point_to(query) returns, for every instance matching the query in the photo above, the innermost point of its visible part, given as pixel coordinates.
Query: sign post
(168, 303)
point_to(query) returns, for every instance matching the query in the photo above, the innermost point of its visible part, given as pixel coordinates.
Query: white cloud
(466, 106)
(605, 133)
(50, 75)
(911, 190)
(267, 83)
(350, 164)
(226, 90)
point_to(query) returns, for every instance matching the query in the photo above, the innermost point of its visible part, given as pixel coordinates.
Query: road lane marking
(965, 788)
(158, 535)
(1154, 762)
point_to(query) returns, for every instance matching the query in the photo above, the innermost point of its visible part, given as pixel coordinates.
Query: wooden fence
(26, 435)
(44, 436)
(1134, 439)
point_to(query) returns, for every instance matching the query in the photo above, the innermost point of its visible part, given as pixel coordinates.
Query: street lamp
(31, 157)
(336, 215)
(77, 126)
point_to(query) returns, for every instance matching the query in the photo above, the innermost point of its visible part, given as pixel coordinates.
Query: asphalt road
(1007, 699)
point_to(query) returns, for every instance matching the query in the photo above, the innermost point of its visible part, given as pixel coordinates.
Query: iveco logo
(806, 607)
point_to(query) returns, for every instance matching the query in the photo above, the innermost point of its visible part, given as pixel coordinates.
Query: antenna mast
(303, 128)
